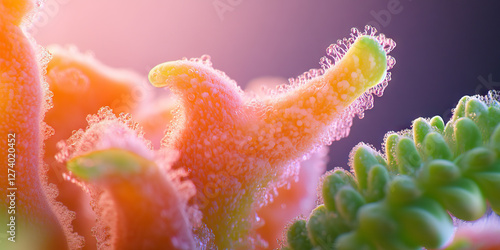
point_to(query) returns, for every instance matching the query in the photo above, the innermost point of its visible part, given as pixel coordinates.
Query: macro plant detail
(224, 154)
(33, 213)
(406, 197)
(237, 161)
(98, 158)
(248, 159)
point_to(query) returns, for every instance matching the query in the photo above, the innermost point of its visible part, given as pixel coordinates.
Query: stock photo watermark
(224, 6)
(123, 104)
(128, 102)
(485, 85)
(48, 10)
(384, 17)
(11, 186)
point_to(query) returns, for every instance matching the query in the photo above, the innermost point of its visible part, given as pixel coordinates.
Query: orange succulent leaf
(296, 199)
(139, 200)
(235, 147)
(81, 84)
(148, 209)
(155, 118)
(24, 96)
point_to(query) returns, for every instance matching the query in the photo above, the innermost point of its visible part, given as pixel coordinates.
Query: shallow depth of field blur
(446, 49)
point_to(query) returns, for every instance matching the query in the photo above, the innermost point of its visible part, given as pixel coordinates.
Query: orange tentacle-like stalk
(234, 148)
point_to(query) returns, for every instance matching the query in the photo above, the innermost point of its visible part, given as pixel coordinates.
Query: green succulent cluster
(403, 200)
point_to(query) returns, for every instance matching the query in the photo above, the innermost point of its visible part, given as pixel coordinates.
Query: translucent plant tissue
(210, 166)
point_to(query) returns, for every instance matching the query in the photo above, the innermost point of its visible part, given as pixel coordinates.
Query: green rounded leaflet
(406, 198)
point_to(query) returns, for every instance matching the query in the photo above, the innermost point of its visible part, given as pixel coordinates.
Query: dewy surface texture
(224, 154)
(405, 198)
(234, 148)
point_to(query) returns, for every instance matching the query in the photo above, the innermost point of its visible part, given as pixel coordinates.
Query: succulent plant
(406, 197)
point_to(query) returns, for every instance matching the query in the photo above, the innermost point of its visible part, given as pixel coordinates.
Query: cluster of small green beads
(404, 201)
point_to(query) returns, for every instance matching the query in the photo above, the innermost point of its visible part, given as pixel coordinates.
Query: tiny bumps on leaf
(427, 175)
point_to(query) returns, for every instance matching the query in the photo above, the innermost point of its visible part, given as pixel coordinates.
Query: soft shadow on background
(445, 49)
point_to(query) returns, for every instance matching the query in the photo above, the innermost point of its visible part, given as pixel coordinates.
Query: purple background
(443, 48)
